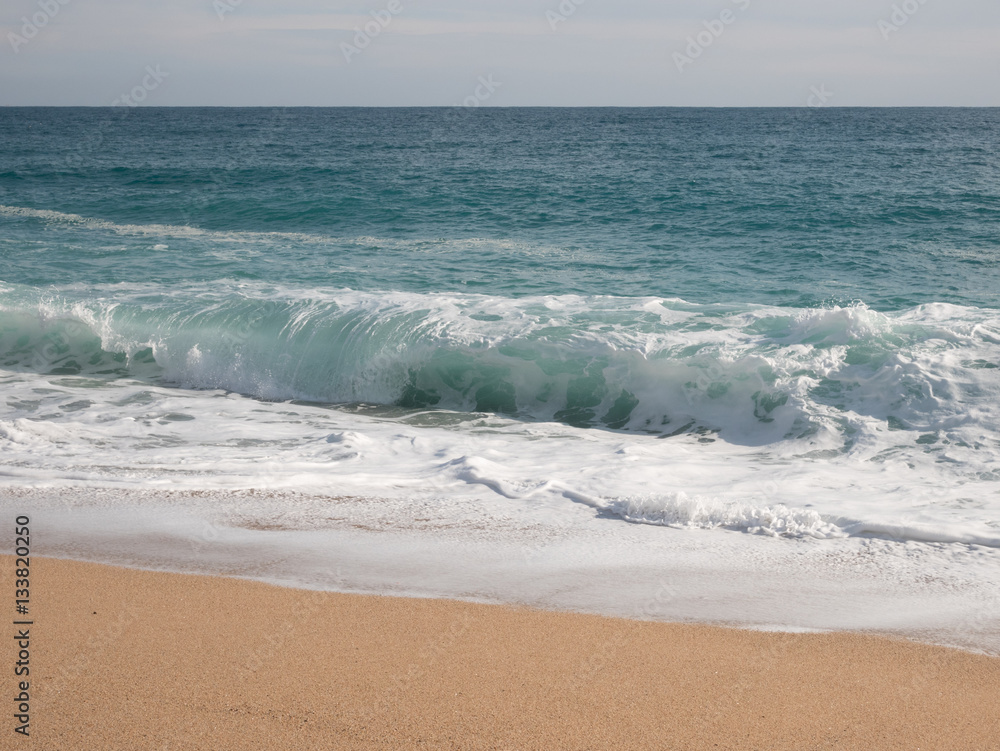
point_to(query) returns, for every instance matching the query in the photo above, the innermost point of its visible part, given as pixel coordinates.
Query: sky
(500, 52)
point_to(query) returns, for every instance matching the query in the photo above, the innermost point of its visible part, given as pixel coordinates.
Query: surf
(747, 374)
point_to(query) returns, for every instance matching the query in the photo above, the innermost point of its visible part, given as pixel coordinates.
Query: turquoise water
(810, 281)
(656, 270)
(804, 208)
(406, 338)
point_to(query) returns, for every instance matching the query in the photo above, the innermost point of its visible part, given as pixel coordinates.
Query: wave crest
(751, 376)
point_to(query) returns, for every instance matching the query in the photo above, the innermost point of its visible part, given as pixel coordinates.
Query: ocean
(730, 365)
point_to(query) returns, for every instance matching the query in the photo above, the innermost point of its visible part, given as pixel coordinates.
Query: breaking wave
(753, 375)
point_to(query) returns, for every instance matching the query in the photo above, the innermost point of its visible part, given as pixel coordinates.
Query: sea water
(742, 364)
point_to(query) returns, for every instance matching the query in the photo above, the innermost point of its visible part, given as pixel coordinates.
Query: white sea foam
(679, 510)
(842, 430)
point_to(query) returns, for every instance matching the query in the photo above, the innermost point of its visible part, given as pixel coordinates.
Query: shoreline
(241, 663)
(526, 555)
(651, 613)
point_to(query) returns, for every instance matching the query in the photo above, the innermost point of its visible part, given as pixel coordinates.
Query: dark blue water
(789, 207)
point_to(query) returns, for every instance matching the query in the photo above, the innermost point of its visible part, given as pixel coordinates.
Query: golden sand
(124, 659)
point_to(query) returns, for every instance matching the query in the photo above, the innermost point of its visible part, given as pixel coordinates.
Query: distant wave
(159, 230)
(187, 232)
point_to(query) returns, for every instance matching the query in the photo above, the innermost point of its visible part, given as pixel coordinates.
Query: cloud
(260, 52)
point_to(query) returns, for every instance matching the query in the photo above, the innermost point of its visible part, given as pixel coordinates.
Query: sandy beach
(127, 659)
